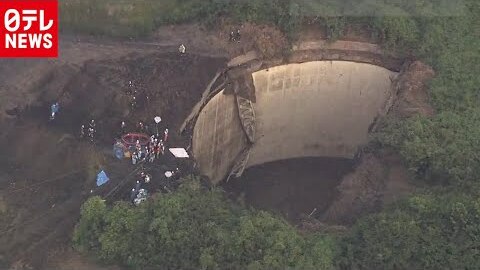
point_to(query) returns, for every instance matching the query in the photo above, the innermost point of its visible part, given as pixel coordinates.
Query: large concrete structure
(218, 137)
(313, 109)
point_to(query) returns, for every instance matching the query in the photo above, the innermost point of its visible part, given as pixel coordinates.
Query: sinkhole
(288, 148)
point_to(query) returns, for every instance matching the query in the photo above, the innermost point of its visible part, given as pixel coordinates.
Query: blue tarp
(102, 178)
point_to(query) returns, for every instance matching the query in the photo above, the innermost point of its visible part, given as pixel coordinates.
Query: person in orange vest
(165, 135)
(156, 148)
(162, 147)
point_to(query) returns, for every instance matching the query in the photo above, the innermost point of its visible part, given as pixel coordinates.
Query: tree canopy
(195, 228)
(424, 232)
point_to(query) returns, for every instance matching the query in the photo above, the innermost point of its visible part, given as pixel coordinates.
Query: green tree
(91, 224)
(195, 228)
(424, 232)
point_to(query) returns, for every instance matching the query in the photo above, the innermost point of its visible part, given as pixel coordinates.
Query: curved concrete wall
(218, 137)
(320, 108)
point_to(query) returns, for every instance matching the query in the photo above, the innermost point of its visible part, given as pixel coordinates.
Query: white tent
(179, 152)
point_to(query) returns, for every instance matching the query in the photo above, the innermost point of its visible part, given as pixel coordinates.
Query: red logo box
(28, 28)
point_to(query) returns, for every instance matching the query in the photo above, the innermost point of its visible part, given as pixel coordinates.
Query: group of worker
(86, 131)
(139, 193)
(153, 149)
(89, 132)
(235, 35)
(132, 94)
(150, 152)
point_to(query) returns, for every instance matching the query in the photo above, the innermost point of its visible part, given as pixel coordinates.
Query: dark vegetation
(195, 228)
(435, 229)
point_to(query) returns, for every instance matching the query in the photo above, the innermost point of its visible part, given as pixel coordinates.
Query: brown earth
(413, 95)
(378, 179)
(292, 188)
(46, 172)
(381, 177)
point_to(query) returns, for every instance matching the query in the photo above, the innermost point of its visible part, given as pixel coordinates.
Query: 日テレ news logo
(29, 28)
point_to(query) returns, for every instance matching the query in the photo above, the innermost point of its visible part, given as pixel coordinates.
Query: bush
(141, 17)
(442, 149)
(424, 232)
(445, 145)
(91, 225)
(195, 228)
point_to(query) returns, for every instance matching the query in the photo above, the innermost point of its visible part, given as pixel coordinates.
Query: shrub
(424, 232)
(194, 228)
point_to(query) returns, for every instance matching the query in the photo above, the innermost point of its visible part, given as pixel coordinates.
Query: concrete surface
(313, 109)
(218, 137)
(321, 108)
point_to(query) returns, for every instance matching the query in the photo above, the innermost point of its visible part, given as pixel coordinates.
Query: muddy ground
(291, 188)
(47, 171)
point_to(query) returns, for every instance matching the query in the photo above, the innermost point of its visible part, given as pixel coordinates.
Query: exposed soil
(47, 172)
(413, 95)
(293, 188)
(378, 179)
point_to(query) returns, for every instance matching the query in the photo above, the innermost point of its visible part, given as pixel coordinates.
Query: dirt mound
(413, 95)
(377, 180)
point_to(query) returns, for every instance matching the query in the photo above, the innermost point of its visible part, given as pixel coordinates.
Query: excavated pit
(298, 138)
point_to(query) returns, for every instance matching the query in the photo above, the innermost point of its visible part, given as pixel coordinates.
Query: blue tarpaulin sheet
(102, 178)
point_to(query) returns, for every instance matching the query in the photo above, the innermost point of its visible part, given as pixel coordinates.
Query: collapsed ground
(47, 172)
